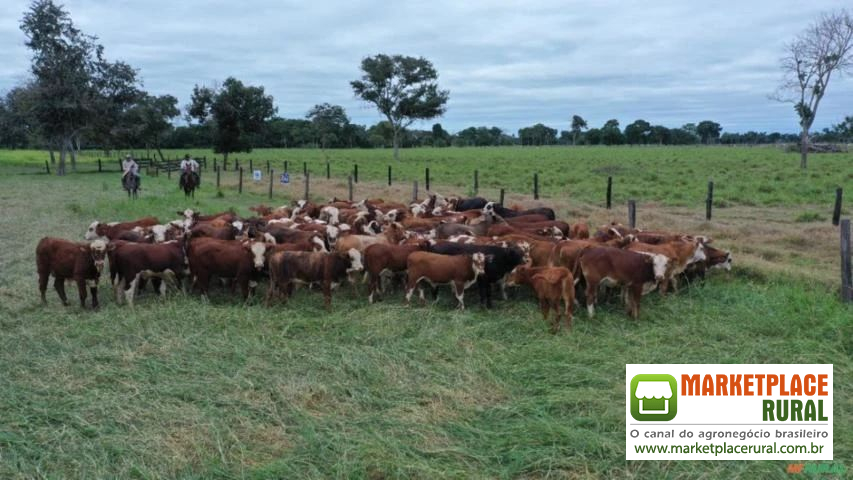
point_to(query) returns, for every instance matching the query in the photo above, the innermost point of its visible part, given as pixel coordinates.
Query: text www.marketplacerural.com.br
(724, 448)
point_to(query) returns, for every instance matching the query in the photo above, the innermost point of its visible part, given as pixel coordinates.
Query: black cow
(508, 212)
(499, 262)
(473, 203)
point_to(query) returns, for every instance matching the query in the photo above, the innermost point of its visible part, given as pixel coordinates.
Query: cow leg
(81, 291)
(271, 291)
(59, 285)
(43, 279)
(459, 292)
(373, 285)
(327, 295)
(502, 285)
(591, 291)
(118, 289)
(674, 281)
(635, 294)
(93, 289)
(131, 289)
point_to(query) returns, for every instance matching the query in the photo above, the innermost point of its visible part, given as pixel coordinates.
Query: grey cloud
(508, 64)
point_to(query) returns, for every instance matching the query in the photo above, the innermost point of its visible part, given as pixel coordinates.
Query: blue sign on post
(285, 177)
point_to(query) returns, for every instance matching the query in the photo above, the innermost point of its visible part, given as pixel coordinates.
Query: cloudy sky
(506, 63)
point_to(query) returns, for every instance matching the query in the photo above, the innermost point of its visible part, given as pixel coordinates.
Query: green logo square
(654, 397)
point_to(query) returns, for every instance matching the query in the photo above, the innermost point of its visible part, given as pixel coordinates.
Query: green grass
(675, 176)
(184, 388)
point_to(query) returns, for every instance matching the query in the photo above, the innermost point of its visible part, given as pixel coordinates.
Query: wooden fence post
(217, 178)
(415, 191)
(307, 181)
(355, 172)
(236, 163)
(426, 178)
(328, 170)
(709, 201)
(632, 214)
(168, 173)
(240, 188)
(99, 166)
(349, 185)
(251, 166)
(476, 181)
(305, 168)
(502, 197)
(47, 167)
(536, 186)
(389, 175)
(271, 174)
(609, 191)
(268, 166)
(285, 166)
(836, 212)
(846, 276)
(214, 164)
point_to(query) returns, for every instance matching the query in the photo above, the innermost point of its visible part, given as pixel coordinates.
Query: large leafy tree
(150, 120)
(824, 48)
(638, 132)
(330, 124)
(236, 112)
(74, 87)
(708, 131)
(403, 89)
(611, 134)
(578, 126)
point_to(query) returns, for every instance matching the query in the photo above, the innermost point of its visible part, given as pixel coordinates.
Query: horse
(130, 182)
(188, 182)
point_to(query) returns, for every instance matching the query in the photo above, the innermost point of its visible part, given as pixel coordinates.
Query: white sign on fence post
(285, 178)
(257, 175)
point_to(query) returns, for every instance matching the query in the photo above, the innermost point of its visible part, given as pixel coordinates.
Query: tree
(610, 133)
(708, 131)
(403, 89)
(578, 125)
(236, 111)
(659, 134)
(538, 134)
(330, 122)
(73, 85)
(824, 48)
(151, 117)
(439, 136)
(638, 132)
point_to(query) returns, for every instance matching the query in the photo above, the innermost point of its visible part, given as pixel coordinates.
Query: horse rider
(129, 166)
(189, 164)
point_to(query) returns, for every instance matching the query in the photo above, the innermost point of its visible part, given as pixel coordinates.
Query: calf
(634, 272)
(461, 271)
(112, 230)
(551, 285)
(135, 261)
(379, 258)
(81, 262)
(327, 269)
(226, 259)
(500, 261)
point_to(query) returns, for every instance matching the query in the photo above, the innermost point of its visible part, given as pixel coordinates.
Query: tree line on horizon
(76, 98)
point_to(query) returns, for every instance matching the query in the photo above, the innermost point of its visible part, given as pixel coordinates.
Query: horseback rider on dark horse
(130, 179)
(189, 175)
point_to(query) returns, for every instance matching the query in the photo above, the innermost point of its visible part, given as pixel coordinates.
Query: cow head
(98, 250)
(478, 263)
(514, 277)
(355, 264)
(698, 254)
(258, 251)
(659, 265)
(391, 216)
(190, 217)
(719, 258)
(159, 233)
(320, 245)
(417, 210)
(489, 209)
(92, 232)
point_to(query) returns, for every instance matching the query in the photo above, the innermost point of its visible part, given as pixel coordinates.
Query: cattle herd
(458, 242)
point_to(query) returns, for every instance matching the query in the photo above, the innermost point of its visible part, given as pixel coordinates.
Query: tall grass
(179, 387)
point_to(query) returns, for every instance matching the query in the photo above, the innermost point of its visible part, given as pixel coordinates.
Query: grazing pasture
(181, 387)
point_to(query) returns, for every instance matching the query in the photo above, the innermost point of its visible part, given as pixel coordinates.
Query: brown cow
(636, 273)
(112, 230)
(200, 230)
(393, 234)
(551, 285)
(460, 271)
(81, 262)
(135, 261)
(680, 255)
(714, 258)
(226, 259)
(327, 269)
(379, 258)
(579, 231)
